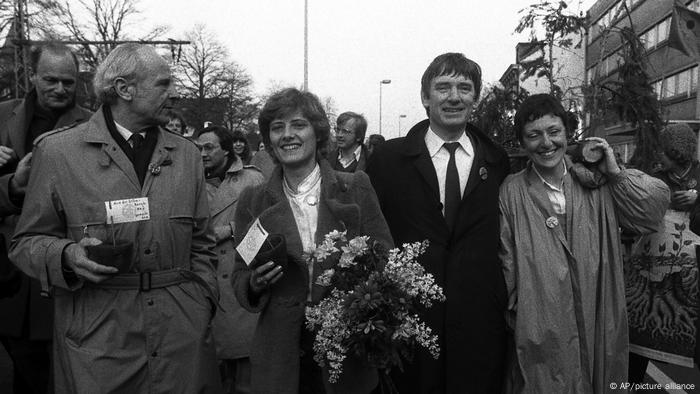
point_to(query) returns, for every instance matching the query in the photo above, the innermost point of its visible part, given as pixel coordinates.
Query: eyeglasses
(340, 130)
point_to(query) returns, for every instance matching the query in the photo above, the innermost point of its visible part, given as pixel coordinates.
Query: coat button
(147, 251)
(154, 354)
(150, 302)
(224, 276)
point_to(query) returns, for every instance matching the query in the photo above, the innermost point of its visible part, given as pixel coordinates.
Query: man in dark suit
(441, 183)
(26, 318)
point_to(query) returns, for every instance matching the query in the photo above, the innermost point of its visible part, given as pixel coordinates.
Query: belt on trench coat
(145, 281)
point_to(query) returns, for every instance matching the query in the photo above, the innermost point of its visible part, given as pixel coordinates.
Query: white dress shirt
(464, 157)
(126, 133)
(304, 203)
(555, 194)
(355, 157)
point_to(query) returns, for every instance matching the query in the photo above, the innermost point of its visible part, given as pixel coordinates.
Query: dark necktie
(453, 196)
(136, 141)
(140, 155)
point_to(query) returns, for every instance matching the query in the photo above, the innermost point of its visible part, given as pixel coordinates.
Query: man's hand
(18, 183)
(684, 199)
(75, 258)
(7, 155)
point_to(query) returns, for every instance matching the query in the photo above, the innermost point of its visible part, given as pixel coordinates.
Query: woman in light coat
(562, 260)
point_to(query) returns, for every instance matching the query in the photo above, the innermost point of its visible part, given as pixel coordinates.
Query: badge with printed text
(129, 210)
(252, 242)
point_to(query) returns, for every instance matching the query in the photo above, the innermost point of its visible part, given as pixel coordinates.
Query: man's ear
(124, 89)
(424, 99)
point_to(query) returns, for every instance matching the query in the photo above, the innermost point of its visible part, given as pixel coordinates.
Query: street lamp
(382, 82)
(400, 116)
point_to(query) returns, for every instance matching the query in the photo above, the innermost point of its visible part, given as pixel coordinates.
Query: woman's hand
(264, 276)
(608, 165)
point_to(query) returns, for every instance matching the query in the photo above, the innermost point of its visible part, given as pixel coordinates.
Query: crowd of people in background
(119, 270)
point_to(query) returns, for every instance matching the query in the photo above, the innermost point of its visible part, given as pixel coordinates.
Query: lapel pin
(483, 173)
(155, 170)
(552, 222)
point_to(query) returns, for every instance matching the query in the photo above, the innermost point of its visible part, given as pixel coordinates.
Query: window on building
(683, 80)
(669, 87)
(683, 83)
(663, 30)
(657, 88)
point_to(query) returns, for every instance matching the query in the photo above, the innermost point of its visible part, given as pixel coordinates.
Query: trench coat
(233, 326)
(28, 299)
(566, 289)
(464, 262)
(115, 340)
(347, 202)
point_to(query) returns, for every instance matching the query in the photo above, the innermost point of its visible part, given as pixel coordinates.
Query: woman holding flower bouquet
(303, 200)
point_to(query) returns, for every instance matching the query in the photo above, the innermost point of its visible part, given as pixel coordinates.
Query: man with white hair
(130, 266)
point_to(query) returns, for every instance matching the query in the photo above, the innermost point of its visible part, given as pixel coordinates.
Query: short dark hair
(55, 48)
(360, 124)
(537, 106)
(288, 101)
(452, 63)
(224, 135)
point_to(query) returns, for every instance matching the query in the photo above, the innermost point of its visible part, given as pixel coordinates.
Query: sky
(353, 45)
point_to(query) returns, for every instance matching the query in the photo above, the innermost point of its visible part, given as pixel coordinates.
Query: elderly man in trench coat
(145, 326)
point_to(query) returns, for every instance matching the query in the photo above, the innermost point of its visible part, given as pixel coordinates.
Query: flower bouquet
(371, 309)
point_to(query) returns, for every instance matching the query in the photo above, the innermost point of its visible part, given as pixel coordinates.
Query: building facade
(674, 75)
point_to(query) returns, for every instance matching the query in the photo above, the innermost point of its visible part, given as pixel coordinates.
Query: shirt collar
(356, 153)
(434, 142)
(126, 133)
(549, 185)
(307, 184)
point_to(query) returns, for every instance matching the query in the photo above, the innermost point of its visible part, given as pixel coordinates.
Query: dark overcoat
(470, 324)
(14, 310)
(347, 202)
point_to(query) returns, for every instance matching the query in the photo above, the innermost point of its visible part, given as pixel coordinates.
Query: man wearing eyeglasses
(351, 154)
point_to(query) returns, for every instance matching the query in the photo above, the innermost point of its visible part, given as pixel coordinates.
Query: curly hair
(679, 143)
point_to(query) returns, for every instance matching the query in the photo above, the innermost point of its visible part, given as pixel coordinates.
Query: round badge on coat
(483, 173)
(552, 222)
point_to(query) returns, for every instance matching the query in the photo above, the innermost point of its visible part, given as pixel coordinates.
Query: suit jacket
(347, 202)
(470, 324)
(13, 311)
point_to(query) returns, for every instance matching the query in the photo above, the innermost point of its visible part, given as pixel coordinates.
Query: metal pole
(382, 82)
(306, 45)
(380, 107)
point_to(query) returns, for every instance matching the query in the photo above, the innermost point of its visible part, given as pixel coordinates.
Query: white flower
(325, 278)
